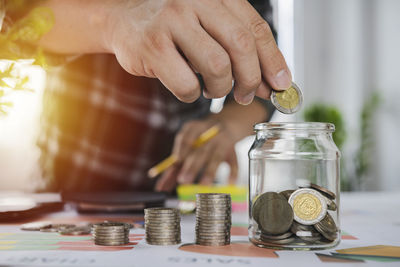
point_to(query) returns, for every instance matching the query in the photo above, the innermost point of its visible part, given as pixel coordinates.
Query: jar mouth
(293, 126)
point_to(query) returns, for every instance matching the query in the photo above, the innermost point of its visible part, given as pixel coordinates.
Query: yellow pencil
(171, 160)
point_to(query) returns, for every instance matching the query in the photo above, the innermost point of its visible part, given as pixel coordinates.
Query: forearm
(80, 26)
(240, 119)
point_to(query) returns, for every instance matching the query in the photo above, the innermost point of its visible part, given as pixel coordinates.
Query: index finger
(273, 65)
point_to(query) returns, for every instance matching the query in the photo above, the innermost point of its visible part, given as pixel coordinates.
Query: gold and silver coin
(288, 101)
(162, 226)
(213, 219)
(309, 206)
(111, 233)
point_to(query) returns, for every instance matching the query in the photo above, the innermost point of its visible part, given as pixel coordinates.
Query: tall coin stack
(213, 219)
(163, 226)
(111, 233)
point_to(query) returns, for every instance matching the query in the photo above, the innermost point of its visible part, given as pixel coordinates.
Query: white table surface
(374, 218)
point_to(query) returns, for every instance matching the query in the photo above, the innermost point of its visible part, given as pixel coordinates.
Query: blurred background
(343, 54)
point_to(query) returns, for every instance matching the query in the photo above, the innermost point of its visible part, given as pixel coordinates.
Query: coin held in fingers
(288, 101)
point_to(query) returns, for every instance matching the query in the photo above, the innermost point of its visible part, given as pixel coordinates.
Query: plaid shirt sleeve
(102, 128)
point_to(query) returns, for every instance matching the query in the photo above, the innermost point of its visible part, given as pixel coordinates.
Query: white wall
(344, 50)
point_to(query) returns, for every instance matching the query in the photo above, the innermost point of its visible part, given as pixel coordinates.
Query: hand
(221, 39)
(203, 160)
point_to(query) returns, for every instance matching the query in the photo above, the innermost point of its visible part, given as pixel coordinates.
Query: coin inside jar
(309, 206)
(327, 227)
(273, 213)
(288, 101)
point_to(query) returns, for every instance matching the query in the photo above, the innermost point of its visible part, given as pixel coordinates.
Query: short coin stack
(111, 233)
(213, 219)
(163, 226)
(62, 228)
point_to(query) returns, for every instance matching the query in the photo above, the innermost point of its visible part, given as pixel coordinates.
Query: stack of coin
(213, 219)
(111, 233)
(162, 226)
(296, 217)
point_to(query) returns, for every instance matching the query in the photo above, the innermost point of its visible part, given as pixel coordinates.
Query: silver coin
(286, 193)
(35, 226)
(211, 223)
(111, 224)
(217, 201)
(163, 243)
(276, 237)
(301, 227)
(106, 240)
(212, 244)
(162, 217)
(161, 210)
(161, 221)
(216, 208)
(327, 227)
(162, 226)
(331, 205)
(212, 226)
(206, 235)
(310, 239)
(212, 195)
(209, 202)
(324, 191)
(208, 240)
(79, 230)
(110, 228)
(162, 239)
(105, 235)
(278, 241)
(111, 243)
(213, 213)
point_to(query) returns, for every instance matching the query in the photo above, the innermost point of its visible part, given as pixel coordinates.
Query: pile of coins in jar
(295, 217)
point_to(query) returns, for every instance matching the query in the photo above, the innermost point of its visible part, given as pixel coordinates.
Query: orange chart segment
(234, 249)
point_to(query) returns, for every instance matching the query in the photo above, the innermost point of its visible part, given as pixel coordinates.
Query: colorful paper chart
(242, 249)
(55, 241)
(379, 250)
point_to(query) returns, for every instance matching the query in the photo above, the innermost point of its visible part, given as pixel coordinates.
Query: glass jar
(294, 189)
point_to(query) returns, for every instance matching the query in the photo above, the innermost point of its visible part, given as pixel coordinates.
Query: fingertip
(244, 100)
(282, 80)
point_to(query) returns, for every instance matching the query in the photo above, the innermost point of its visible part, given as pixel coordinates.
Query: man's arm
(235, 121)
(169, 39)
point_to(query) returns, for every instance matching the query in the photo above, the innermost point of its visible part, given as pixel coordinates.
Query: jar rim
(292, 126)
